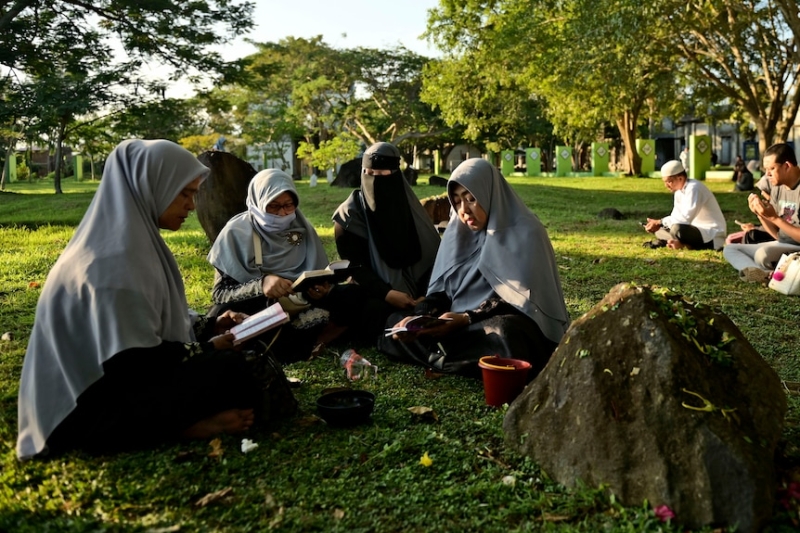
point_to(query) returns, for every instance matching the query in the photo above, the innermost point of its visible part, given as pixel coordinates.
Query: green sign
(507, 162)
(600, 156)
(533, 161)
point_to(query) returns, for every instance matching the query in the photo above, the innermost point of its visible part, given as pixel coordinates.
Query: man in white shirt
(696, 221)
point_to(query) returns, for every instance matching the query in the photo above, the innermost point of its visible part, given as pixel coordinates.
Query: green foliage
(744, 49)
(305, 476)
(552, 56)
(340, 149)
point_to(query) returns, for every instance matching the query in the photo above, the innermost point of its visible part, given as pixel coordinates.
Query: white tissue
(248, 445)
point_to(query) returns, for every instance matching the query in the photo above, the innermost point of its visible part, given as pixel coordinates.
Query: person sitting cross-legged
(778, 216)
(113, 361)
(696, 221)
(495, 305)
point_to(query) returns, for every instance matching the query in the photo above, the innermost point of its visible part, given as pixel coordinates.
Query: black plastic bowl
(346, 407)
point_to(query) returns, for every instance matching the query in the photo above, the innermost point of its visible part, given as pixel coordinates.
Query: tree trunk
(766, 134)
(59, 165)
(626, 123)
(9, 155)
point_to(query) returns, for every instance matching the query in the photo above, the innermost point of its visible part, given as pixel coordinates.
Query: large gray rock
(613, 407)
(222, 195)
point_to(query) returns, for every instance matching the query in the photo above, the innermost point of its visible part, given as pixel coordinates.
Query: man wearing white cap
(696, 221)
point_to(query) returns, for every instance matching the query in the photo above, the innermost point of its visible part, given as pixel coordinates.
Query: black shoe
(655, 243)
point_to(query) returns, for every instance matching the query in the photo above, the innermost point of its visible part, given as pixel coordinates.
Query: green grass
(305, 476)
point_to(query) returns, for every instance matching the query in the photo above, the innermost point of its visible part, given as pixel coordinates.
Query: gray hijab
(285, 253)
(116, 286)
(512, 256)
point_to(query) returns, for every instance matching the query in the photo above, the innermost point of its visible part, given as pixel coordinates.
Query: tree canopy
(76, 59)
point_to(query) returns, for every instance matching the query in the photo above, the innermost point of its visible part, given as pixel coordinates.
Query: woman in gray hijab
(495, 278)
(261, 252)
(383, 228)
(113, 360)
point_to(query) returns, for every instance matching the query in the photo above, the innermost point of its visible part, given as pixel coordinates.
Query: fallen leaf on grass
(338, 514)
(430, 374)
(425, 413)
(487, 453)
(599, 260)
(276, 520)
(216, 449)
(212, 497)
(33, 285)
(184, 456)
(269, 501)
(308, 421)
(554, 517)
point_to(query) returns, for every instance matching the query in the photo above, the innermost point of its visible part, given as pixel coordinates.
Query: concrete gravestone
(349, 174)
(222, 195)
(660, 399)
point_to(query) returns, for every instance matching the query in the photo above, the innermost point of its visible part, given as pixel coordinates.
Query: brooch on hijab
(294, 237)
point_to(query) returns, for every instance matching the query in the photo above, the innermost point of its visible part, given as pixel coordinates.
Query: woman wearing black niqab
(383, 228)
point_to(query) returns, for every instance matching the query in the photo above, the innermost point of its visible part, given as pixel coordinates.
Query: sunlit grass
(307, 477)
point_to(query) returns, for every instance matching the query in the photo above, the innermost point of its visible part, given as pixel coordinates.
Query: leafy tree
(387, 104)
(295, 90)
(340, 149)
(495, 112)
(94, 139)
(175, 33)
(748, 50)
(76, 83)
(62, 50)
(591, 61)
(306, 91)
(169, 118)
(198, 144)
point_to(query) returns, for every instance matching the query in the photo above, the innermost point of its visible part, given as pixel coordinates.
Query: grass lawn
(305, 476)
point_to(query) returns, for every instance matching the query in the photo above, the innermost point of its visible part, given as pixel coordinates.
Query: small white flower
(509, 480)
(248, 445)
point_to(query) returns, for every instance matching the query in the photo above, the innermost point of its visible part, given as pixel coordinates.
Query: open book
(418, 323)
(333, 273)
(271, 317)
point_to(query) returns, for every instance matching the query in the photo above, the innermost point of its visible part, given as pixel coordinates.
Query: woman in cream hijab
(112, 360)
(262, 251)
(495, 277)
